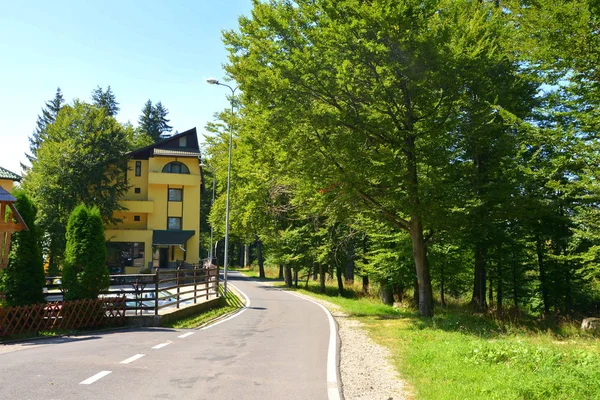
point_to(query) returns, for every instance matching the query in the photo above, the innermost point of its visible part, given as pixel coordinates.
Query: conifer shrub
(85, 273)
(23, 279)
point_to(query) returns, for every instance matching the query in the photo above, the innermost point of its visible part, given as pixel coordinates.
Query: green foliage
(81, 160)
(105, 99)
(24, 276)
(48, 116)
(85, 273)
(153, 120)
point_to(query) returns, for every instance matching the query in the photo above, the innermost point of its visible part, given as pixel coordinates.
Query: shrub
(85, 273)
(23, 280)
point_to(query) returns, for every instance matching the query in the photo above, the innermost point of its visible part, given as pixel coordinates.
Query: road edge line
(334, 388)
(236, 314)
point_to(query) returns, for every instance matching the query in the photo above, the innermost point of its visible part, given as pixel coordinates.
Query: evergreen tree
(48, 116)
(154, 120)
(85, 273)
(24, 276)
(105, 99)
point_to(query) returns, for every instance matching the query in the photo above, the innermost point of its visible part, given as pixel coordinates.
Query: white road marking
(333, 391)
(94, 378)
(185, 335)
(237, 314)
(160, 346)
(132, 359)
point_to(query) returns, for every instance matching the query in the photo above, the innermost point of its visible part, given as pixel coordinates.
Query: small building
(10, 219)
(7, 179)
(161, 224)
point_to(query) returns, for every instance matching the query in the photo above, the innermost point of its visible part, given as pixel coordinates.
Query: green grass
(457, 355)
(229, 304)
(271, 273)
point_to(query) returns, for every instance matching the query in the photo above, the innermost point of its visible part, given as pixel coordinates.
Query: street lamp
(214, 180)
(213, 81)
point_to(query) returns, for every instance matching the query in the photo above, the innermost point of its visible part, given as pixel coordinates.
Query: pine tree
(24, 279)
(105, 99)
(85, 273)
(154, 120)
(48, 116)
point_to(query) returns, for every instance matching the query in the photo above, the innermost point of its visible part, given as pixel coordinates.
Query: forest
(441, 151)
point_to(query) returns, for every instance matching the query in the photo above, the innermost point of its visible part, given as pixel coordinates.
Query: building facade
(161, 224)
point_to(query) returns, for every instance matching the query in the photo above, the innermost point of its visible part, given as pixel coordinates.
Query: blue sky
(163, 51)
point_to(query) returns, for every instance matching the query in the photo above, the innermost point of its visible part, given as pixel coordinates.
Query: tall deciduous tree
(85, 273)
(24, 276)
(366, 95)
(81, 161)
(105, 99)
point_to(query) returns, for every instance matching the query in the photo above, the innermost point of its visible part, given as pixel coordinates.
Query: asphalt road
(277, 348)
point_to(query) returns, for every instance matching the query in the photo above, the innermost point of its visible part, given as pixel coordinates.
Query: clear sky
(158, 50)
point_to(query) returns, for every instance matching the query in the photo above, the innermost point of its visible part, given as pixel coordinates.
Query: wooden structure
(10, 221)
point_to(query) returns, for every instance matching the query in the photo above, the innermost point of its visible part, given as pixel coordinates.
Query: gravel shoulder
(365, 368)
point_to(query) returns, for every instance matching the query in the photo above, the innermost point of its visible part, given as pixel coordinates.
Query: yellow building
(161, 225)
(7, 179)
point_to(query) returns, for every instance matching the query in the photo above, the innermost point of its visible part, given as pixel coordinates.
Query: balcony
(160, 178)
(138, 206)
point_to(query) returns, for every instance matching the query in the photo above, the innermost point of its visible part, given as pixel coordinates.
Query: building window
(138, 168)
(176, 167)
(174, 223)
(175, 194)
(183, 141)
(136, 218)
(138, 190)
(124, 254)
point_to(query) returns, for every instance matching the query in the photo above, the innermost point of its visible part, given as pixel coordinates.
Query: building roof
(191, 148)
(6, 197)
(171, 238)
(6, 174)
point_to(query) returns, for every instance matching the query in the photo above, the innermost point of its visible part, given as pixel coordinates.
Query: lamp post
(213, 81)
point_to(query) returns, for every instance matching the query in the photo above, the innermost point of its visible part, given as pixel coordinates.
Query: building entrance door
(163, 257)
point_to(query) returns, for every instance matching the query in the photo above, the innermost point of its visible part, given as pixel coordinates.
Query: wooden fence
(149, 293)
(66, 315)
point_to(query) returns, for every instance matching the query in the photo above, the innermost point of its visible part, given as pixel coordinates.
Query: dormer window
(183, 141)
(176, 167)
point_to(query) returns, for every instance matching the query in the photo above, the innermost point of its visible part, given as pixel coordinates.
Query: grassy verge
(229, 304)
(457, 355)
(271, 273)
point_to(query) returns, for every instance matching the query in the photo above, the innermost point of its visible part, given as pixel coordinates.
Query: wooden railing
(149, 293)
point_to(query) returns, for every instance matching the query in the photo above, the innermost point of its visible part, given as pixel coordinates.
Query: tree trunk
(349, 271)
(491, 292)
(515, 289)
(295, 277)
(322, 277)
(280, 276)
(288, 276)
(340, 281)
(365, 284)
(260, 259)
(385, 293)
(398, 290)
(499, 288)
(416, 293)
(241, 254)
(478, 302)
(442, 282)
(247, 261)
(313, 267)
(422, 267)
(542, 267)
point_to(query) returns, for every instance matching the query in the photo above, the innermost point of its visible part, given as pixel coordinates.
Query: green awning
(171, 238)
